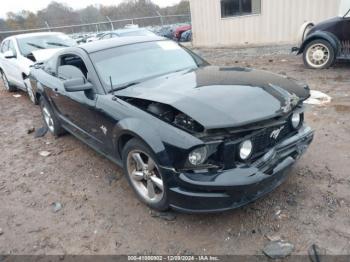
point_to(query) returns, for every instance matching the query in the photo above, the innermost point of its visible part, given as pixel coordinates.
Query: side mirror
(9, 54)
(77, 84)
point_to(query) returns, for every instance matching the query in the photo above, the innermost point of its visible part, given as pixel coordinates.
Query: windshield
(29, 44)
(136, 62)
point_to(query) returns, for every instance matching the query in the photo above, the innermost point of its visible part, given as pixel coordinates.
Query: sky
(35, 5)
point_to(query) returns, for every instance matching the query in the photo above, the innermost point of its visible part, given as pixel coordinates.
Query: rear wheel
(6, 83)
(319, 54)
(144, 175)
(50, 119)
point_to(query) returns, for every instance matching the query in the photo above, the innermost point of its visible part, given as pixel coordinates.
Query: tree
(58, 14)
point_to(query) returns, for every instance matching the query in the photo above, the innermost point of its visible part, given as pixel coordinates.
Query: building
(218, 23)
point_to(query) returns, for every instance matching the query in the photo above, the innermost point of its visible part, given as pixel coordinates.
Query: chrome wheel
(318, 55)
(48, 119)
(145, 176)
(5, 81)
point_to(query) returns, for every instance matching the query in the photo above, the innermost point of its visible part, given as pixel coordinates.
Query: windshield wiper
(123, 87)
(35, 45)
(57, 44)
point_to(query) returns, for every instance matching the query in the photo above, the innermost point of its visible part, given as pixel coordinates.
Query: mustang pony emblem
(276, 133)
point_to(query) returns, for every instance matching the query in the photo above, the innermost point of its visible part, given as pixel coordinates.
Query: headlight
(198, 156)
(245, 149)
(296, 120)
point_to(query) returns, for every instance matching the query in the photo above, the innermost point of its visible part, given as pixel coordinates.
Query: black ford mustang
(190, 136)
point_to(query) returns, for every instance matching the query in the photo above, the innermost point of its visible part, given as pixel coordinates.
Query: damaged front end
(234, 166)
(243, 164)
(226, 148)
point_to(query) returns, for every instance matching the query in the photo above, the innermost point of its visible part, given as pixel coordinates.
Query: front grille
(264, 140)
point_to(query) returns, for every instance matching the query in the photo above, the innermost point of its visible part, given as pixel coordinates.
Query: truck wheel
(319, 54)
(144, 175)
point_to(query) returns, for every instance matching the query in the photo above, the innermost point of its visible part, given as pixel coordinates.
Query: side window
(75, 61)
(231, 8)
(12, 47)
(4, 46)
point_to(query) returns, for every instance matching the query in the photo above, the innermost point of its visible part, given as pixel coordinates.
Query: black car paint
(87, 114)
(336, 31)
(199, 94)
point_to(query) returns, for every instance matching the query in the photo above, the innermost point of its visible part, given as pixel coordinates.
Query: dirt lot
(100, 214)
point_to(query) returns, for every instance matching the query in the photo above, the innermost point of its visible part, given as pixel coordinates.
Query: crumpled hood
(44, 54)
(221, 97)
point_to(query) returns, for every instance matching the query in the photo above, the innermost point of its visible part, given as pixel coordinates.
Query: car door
(6, 62)
(76, 109)
(15, 66)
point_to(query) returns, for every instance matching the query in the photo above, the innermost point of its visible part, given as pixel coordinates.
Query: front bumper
(229, 189)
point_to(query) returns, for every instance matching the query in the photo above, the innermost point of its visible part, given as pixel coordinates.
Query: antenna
(111, 83)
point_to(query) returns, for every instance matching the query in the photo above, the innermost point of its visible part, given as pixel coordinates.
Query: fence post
(110, 21)
(161, 18)
(48, 26)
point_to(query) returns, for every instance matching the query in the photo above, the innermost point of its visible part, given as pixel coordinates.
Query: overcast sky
(35, 5)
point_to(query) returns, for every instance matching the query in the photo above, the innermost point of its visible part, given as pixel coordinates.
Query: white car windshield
(136, 62)
(29, 44)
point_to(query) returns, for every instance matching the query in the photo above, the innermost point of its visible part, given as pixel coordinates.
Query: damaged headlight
(296, 120)
(198, 156)
(245, 149)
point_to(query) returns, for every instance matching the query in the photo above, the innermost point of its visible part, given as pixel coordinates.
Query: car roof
(36, 34)
(115, 42)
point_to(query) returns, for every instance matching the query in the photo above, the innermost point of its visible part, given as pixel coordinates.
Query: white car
(19, 52)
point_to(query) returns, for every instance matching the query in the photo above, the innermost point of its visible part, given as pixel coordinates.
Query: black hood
(221, 97)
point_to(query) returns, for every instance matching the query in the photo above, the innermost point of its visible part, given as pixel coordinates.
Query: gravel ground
(101, 215)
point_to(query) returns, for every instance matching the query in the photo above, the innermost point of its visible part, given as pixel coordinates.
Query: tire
(50, 120)
(147, 177)
(319, 54)
(7, 85)
(30, 91)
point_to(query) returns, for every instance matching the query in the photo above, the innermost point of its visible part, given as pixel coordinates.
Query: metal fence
(106, 25)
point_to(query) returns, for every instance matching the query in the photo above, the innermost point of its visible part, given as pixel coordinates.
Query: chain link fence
(108, 25)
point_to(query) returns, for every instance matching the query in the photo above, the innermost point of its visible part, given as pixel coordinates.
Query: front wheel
(144, 175)
(6, 83)
(50, 120)
(30, 92)
(319, 54)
